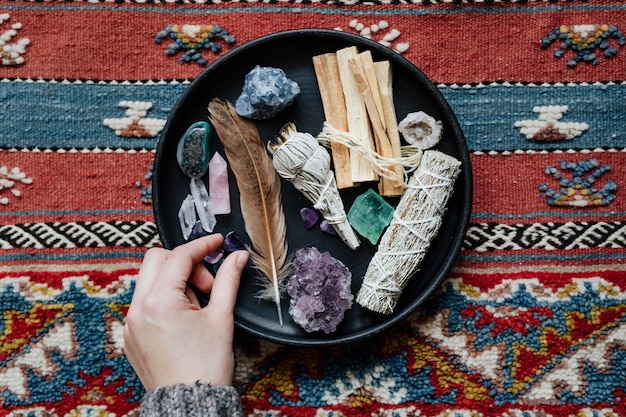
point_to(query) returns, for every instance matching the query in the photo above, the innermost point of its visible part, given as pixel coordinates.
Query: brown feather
(260, 195)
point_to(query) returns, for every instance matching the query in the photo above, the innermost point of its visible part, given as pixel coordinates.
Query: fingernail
(242, 258)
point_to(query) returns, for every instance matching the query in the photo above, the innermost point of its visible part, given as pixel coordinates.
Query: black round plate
(292, 51)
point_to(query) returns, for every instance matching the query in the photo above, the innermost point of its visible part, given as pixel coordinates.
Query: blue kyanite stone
(266, 91)
(194, 148)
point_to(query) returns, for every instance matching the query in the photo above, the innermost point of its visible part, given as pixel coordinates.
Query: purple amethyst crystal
(197, 231)
(328, 228)
(214, 256)
(319, 290)
(232, 242)
(309, 217)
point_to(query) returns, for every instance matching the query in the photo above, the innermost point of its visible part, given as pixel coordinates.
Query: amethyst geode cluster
(319, 290)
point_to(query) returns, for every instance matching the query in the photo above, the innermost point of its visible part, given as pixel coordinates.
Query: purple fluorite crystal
(319, 290)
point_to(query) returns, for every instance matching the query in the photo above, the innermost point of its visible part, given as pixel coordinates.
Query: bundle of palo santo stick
(357, 97)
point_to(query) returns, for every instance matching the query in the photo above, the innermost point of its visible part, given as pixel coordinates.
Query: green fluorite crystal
(370, 214)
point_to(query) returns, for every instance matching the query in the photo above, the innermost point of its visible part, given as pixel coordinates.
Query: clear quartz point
(201, 200)
(187, 216)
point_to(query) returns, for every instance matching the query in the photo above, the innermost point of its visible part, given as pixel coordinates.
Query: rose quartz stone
(219, 190)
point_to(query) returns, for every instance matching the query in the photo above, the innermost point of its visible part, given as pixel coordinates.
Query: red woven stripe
(454, 48)
(68, 182)
(503, 185)
(54, 279)
(506, 185)
(556, 278)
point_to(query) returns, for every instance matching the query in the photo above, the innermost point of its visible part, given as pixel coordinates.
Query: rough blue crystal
(319, 290)
(266, 91)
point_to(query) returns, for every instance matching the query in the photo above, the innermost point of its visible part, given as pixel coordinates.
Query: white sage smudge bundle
(415, 223)
(298, 158)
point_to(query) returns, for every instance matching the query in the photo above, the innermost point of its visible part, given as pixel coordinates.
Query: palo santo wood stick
(358, 123)
(333, 101)
(385, 84)
(369, 70)
(361, 65)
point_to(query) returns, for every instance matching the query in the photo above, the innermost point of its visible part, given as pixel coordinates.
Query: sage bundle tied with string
(298, 158)
(415, 223)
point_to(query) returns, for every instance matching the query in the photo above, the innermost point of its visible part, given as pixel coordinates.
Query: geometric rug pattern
(531, 320)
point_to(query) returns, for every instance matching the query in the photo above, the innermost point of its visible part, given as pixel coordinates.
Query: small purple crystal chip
(233, 242)
(309, 217)
(197, 231)
(266, 91)
(319, 290)
(328, 228)
(214, 256)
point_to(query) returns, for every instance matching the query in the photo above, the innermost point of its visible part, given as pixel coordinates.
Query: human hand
(168, 337)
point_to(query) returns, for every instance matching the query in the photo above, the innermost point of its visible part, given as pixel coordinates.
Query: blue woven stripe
(487, 114)
(76, 256)
(464, 257)
(57, 115)
(553, 214)
(560, 256)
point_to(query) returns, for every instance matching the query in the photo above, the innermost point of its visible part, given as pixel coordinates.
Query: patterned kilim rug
(530, 320)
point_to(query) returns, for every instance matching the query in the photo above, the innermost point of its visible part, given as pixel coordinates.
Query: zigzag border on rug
(480, 237)
(485, 237)
(95, 150)
(175, 81)
(79, 235)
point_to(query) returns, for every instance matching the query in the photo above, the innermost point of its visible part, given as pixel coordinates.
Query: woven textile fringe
(415, 223)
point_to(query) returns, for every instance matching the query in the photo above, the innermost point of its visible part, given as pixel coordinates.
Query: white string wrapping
(299, 158)
(416, 221)
(409, 159)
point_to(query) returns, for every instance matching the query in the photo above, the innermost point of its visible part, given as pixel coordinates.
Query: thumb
(226, 284)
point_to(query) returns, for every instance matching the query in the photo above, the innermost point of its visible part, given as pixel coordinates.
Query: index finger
(181, 261)
(152, 262)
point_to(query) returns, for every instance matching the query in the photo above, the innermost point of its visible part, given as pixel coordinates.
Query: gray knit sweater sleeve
(198, 400)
